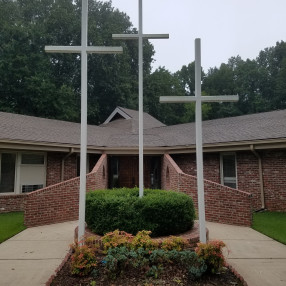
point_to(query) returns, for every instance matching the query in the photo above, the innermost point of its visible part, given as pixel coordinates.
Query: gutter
(63, 163)
(262, 194)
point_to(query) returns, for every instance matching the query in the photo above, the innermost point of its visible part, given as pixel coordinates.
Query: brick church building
(244, 163)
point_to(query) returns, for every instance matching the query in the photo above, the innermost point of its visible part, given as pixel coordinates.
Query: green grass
(11, 224)
(272, 224)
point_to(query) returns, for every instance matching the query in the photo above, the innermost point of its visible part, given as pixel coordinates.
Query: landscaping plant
(121, 252)
(161, 212)
(211, 253)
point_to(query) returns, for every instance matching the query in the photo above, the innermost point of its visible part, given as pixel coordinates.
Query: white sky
(226, 27)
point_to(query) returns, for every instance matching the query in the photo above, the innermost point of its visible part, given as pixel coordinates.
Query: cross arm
(136, 36)
(79, 49)
(186, 99)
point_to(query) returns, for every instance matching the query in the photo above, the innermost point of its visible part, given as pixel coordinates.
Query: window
(33, 159)
(228, 170)
(7, 172)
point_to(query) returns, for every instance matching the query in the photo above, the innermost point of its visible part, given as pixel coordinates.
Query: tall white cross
(84, 50)
(140, 36)
(198, 99)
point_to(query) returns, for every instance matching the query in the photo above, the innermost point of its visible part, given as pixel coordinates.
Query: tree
(48, 85)
(160, 83)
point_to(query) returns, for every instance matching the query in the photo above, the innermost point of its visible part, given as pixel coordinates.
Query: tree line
(33, 82)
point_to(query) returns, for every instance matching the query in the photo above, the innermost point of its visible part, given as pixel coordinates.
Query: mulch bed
(171, 276)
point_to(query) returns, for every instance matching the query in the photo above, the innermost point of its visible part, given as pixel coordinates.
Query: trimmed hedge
(162, 212)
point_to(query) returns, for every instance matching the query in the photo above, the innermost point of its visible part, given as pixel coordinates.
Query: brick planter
(192, 236)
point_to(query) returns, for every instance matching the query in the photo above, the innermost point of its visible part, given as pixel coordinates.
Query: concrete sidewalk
(260, 260)
(32, 256)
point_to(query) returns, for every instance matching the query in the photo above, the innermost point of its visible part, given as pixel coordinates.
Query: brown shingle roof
(124, 132)
(260, 126)
(132, 123)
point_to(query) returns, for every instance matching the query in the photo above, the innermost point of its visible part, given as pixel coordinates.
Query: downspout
(260, 176)
(63, 163)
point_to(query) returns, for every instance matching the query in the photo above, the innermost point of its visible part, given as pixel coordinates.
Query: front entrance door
(123, 172)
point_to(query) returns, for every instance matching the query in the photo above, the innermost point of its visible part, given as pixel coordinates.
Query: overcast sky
(226, 27)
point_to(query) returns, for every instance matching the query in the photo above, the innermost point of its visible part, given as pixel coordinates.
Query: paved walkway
(31, 257)
(260, 260)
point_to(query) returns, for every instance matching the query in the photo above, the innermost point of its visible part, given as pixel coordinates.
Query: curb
(66, 258)
(231, 268)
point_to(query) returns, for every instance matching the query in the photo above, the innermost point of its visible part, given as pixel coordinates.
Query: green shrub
(211, 253)
(161, 212)
(120, 259)
(83, 260)
(116, 238)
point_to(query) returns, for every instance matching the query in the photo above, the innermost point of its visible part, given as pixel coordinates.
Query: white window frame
(18, 164)
(222, 178)
(19, 185)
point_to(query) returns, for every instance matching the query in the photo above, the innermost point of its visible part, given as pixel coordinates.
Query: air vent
(31, 188)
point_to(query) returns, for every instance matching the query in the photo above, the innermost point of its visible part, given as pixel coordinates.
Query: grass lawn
(11, 224)
(272, 224)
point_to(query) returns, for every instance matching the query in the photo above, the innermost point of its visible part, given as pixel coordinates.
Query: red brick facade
(12, 203)
(273, 172)
(274, 176)
(54, 167)
(59, 202)
(222, 204)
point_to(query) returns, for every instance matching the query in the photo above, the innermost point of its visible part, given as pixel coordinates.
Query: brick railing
(59, 202)
(222, 204)
(12, 203)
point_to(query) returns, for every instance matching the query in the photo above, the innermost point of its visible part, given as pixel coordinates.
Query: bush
(161, 212)
(83, 260)
(211, 253)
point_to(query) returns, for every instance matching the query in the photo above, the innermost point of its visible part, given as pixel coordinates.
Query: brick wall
(187, 163)
(274, 177)
(222, 204)
(54, 167)
(273, 169)
(12, 203)
(59, 202)
(248, 176)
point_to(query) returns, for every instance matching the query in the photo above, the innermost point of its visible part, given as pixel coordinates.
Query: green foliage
(143, 240)
(174, 242)
(161, 212)
(35, 83)
(272, 224)
(124, 252)
(161, 82)
(211, 253)
(120, 259)
(11, 224)
(116, 238)
(83, 260)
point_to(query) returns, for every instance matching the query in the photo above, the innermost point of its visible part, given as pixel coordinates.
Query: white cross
(140, 36)
(84, 49)
(199, 149)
